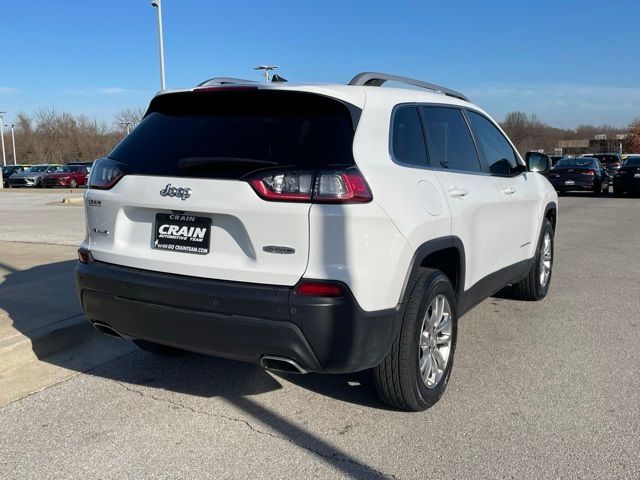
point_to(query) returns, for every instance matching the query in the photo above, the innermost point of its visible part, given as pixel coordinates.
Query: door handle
(456, 192)
(509, 190)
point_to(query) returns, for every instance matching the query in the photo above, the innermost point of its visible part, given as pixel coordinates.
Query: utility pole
(158, 5)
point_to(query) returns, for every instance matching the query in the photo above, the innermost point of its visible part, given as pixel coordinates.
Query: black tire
(530, 287)
(617, 193)
(73, 183)
(398, 379)
(597, 190)
(158, 349)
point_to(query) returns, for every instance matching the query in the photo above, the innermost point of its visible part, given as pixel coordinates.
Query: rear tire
(535, 285)
(73, 183)
(426, 342)
(158, 349)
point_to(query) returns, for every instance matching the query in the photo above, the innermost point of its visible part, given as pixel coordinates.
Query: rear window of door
(449, 140)
(495, 148)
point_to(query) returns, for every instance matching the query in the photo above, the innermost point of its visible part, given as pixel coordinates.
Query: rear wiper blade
(195, 163)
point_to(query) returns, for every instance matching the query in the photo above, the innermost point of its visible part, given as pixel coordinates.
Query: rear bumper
(236, 320)
(580, 184)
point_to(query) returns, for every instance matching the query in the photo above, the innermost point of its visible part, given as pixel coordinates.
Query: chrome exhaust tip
(281, 364)
(106, 329)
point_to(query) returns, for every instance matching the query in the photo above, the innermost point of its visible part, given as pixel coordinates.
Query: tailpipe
(106, 329)
(281, 364)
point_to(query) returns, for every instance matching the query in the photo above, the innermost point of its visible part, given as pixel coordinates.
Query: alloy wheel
(435, 341)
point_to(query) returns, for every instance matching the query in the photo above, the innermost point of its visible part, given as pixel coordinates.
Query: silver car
(32, 176)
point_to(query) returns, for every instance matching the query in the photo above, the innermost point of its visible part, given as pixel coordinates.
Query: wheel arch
(551, 214)
(445, 254)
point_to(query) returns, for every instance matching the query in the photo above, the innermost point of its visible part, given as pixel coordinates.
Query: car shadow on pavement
(37, 295)
(190, 374)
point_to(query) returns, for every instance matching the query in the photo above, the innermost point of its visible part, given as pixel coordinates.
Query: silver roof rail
(225, 81)
(374, 79)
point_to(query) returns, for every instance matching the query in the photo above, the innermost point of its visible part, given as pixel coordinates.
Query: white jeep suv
(314, 228)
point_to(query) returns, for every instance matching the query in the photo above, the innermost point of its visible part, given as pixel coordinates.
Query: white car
(314, 228)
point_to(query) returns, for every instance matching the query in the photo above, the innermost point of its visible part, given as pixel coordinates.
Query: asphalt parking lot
(539, 390)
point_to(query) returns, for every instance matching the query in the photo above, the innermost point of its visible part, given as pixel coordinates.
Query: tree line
(50, 136)
(528, 133)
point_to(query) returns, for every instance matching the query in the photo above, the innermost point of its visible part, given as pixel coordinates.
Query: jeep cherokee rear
(313, 228)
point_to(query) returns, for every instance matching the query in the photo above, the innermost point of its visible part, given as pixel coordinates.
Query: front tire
(73, 183)
(535, 285)
(414, 374)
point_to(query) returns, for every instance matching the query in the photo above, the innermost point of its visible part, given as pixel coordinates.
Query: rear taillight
(84, 256)
(105, 173)
(318, 289)
(321, 186)
(588, 172)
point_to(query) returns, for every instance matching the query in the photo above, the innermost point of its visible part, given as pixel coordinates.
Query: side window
(450, 142)
(497, 151)
(407, 139)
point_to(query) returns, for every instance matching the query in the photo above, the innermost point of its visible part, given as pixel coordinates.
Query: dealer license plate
(182, 233)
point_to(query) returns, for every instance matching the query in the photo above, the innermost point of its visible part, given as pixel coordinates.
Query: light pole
(126, 124)
(158, 5)
(265, 70)
(4, 160)
(13, 142)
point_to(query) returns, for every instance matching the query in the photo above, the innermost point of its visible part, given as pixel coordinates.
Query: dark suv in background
(610, 161)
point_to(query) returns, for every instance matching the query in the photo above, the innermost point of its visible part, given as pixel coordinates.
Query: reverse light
(321, 186)
(105, 173)
(318, 289)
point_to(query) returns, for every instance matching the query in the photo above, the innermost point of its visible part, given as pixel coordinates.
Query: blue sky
(569, 62)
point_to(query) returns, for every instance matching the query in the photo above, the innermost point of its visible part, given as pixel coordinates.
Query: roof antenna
(266, 69)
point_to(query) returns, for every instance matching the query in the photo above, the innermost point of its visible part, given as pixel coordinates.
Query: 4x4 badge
(179, 192)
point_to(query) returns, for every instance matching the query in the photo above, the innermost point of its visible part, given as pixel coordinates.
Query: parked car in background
(627, 179)
(611, 162)
(70, 176)
(86, 164)
(9, 170)
(556, 158)
(32, 176)
(579, 174)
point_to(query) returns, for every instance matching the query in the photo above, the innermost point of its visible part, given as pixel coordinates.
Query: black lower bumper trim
(236, 320)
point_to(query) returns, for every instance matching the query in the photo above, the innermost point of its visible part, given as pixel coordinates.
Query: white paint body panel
(368, 246)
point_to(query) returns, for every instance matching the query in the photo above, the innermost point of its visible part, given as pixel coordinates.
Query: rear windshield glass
(576, 163)
(607, 158)
(229, 134)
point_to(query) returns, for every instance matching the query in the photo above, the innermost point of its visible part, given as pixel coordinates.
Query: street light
(4, 160)
(265, 69)
(158, 4)
(126, 124)
(13, 142)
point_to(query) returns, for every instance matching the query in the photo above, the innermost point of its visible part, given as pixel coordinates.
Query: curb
(73, 200)
(44, 341)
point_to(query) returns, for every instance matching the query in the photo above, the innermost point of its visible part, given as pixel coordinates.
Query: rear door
(475, 202)
(188, 166)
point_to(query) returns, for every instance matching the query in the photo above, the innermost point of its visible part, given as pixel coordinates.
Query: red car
(70, 176)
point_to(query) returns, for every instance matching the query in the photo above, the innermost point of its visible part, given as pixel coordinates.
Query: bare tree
(129, 116)
(634, 136)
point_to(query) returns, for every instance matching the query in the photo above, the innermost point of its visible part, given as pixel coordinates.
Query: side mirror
(538, 162)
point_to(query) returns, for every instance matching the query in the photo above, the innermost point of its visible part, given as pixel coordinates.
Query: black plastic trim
(236, 320)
